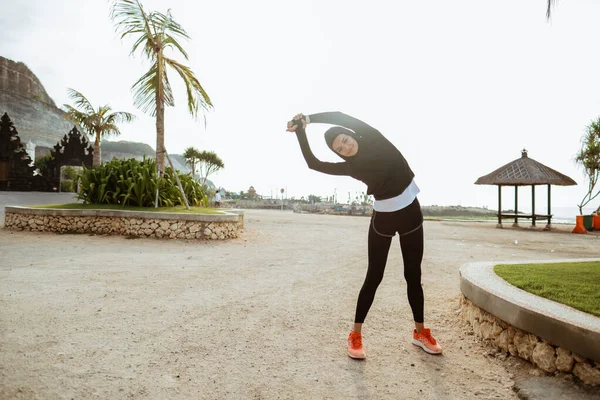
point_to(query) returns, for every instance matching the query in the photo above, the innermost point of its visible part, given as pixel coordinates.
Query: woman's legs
(379, 247)
(412, 254)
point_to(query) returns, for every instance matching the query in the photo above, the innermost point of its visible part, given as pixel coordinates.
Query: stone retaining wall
(530, 347)
(126, 226)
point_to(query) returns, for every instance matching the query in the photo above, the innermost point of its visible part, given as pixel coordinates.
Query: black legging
(408, 223)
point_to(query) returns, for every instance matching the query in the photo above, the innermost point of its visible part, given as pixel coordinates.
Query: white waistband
(399, 202)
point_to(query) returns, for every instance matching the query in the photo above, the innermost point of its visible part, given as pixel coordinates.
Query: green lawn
(177, 209)
(574, 284)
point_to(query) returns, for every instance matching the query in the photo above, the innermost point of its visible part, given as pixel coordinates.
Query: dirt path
(262, 317)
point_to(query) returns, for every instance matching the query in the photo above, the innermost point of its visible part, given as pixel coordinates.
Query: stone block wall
(126, 226)
(530, 347)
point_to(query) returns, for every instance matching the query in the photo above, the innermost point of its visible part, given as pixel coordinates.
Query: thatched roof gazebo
(525, 171)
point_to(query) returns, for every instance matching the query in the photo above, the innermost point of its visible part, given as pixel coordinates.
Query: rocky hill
(30, 108)
(17, 79)
(37, 119)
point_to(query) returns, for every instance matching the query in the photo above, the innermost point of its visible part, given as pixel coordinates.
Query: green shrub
(69, 173)
(41, 163)
(67, 186)
(133, 183)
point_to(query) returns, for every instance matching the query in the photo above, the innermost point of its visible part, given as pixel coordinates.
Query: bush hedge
(133, 183)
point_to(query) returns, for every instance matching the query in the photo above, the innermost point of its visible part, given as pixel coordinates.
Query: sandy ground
(261, 317)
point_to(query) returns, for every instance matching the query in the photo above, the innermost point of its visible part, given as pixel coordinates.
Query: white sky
(460, 87)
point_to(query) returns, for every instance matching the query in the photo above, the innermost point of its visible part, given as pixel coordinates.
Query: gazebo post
(499, 207)
(549, 225)
(516, 206)
(533, 206)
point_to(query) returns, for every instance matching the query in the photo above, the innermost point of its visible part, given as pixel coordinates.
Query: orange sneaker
(355, 348)
(425, 341)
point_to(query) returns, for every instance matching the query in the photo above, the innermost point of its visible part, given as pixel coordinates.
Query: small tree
(41, 163)
(314, 198)
(208, 163)
(192, 156)
(366, 199)
(69, 176)
(98, 122)
(589, 158)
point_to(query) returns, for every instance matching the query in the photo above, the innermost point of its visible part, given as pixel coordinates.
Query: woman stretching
(371, 158)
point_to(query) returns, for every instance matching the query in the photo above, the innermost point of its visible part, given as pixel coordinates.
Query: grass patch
(80, 206)
(574, 284)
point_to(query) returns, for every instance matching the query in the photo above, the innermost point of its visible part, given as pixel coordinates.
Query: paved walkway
(261, 317)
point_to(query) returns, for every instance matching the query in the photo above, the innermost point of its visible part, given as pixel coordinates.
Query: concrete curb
(560, 325)
(225, 217)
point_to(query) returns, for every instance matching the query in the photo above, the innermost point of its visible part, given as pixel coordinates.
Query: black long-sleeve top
(378, 163)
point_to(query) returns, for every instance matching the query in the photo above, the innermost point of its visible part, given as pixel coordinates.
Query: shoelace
(426, 333)
(356, 341)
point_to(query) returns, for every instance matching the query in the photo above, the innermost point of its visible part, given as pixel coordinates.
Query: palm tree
(208, 163)
(155, 32)
(589, 158)
(96, 122)
(192, 157)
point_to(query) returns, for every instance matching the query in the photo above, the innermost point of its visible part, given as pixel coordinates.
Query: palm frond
(191, 152)
(549, 9)
(148, 48)
(197, 96)
(144, 90)
(120, 117)
(102, 111)
(81, 102)
(131, 19)
(171, 42)
(82, 119)
(169, 26)
(100, 122)
(74, 114)
(109, 129)
(168, 92)
(154, 32)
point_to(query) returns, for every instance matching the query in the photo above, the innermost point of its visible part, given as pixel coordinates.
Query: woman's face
(345, 145)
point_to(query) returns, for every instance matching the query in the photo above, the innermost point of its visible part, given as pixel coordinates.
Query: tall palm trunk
(97, 159)
(160, 135)
(160, 116)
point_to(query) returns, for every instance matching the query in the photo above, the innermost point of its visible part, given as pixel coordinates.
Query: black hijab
(335, 131)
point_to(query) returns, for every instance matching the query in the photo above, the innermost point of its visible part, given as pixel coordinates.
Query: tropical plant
(41, 163)
(366, 200)
(314, 199)
(133, 182)
(68, 172)
(589, 158)
(99, 122)
(191, 156)
(155, 32)
(67, 186)
(69, 178)
(208, 163)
